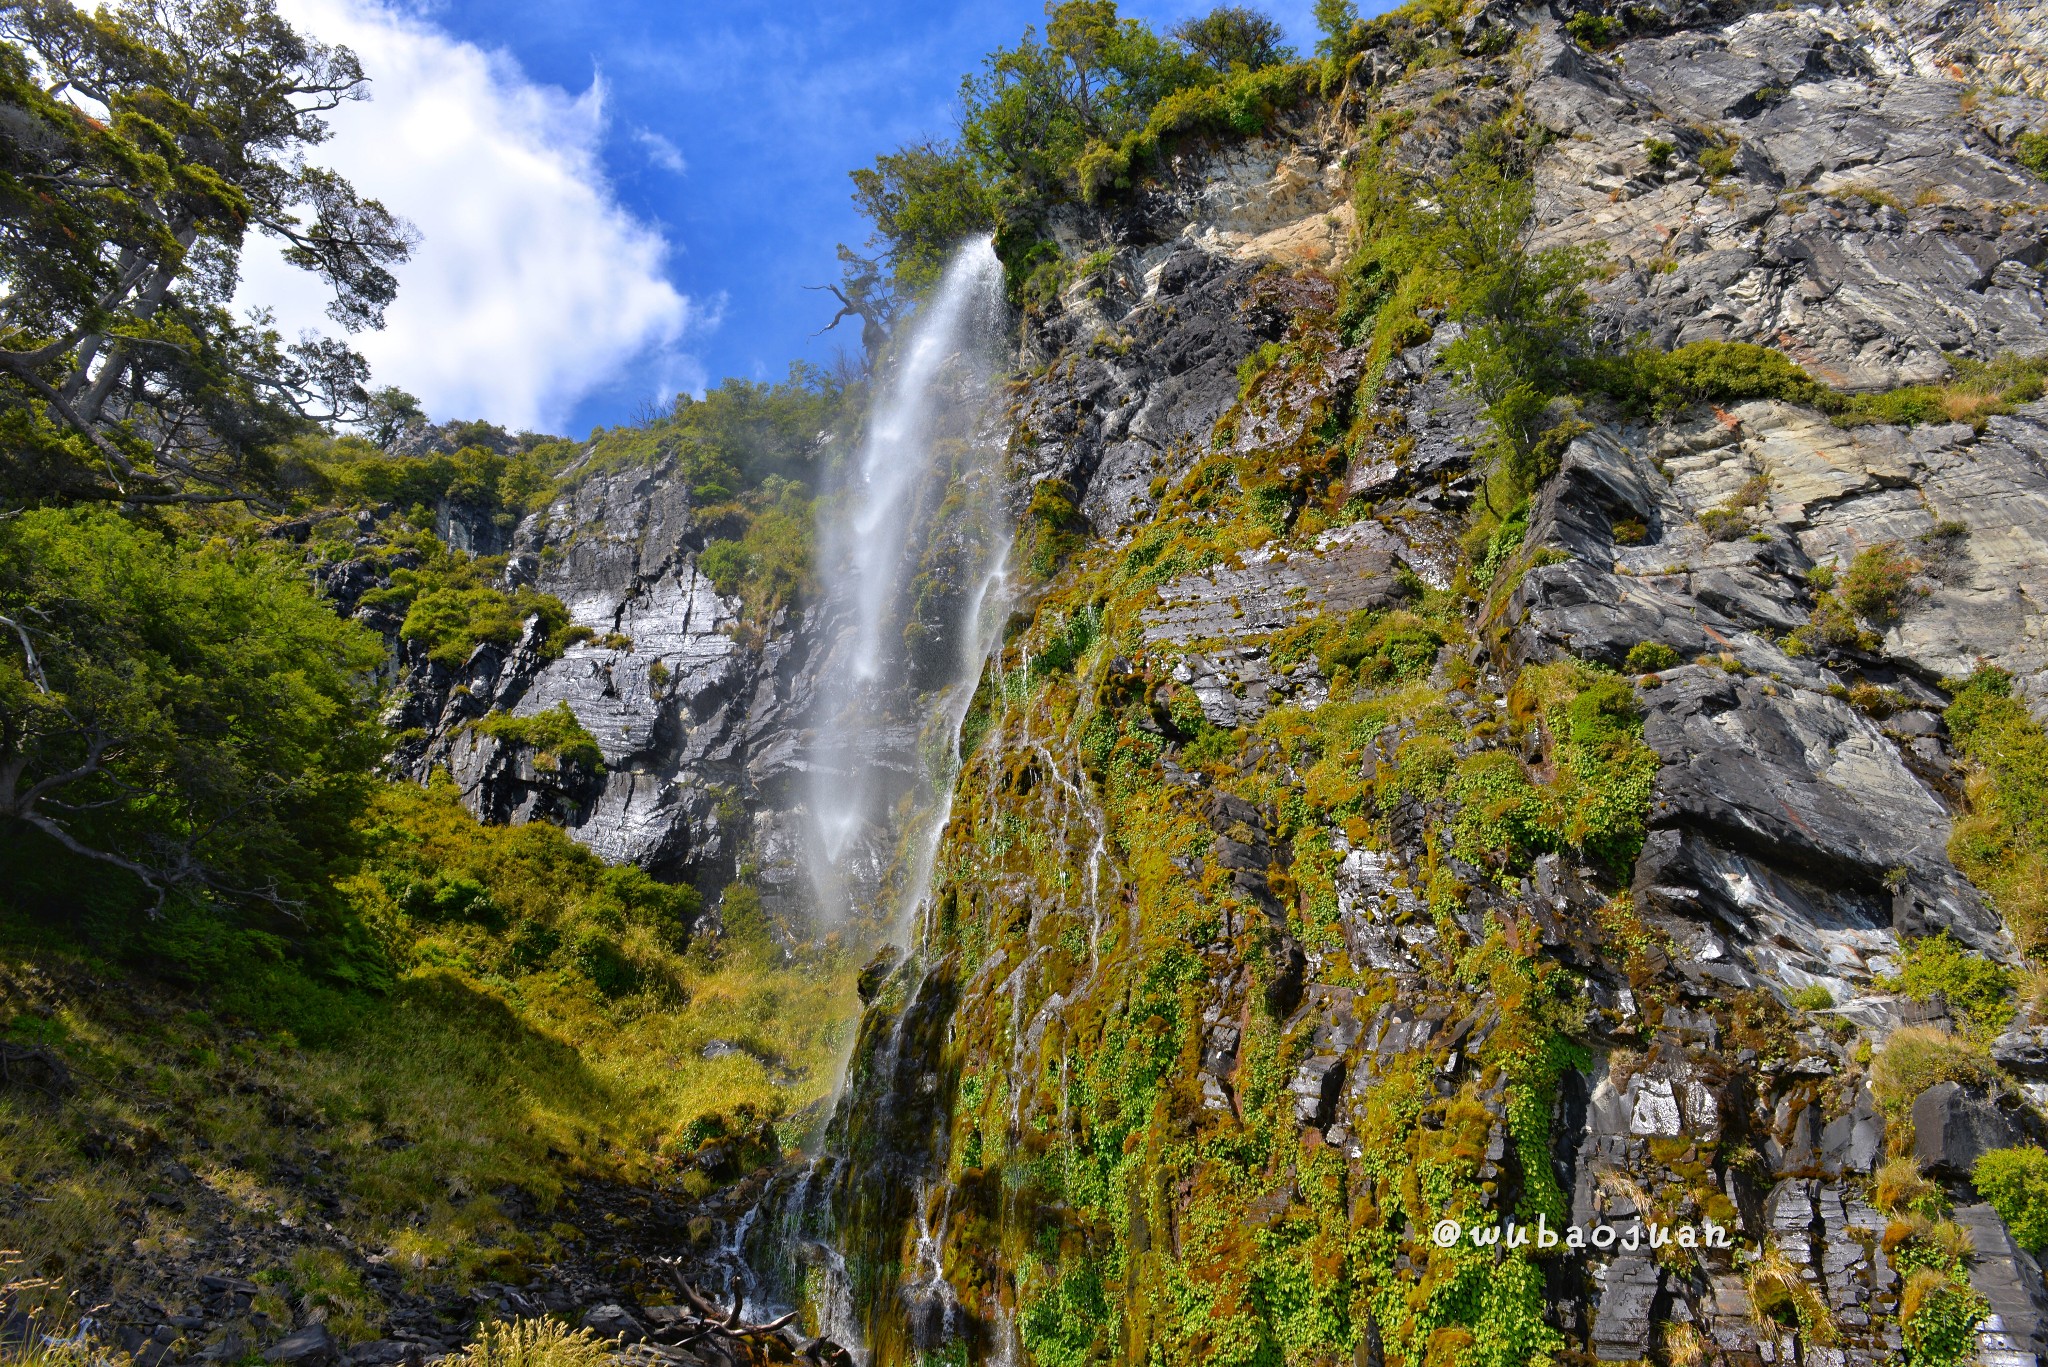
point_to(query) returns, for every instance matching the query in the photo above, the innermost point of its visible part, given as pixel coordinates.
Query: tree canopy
(139, 146)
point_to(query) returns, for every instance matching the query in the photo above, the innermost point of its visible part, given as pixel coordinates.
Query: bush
(2032, 151)
(191, 713)
(1663, 382)
(1939, 1315)
(1812, 997)
(1976, 989)
(555, 736)
(1878, 580)
(1595, 31)
(1647, 657)
(2015, 1182)
(1381, 648)
(724, 563)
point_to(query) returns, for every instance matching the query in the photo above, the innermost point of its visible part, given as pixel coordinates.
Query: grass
(1917, 1057)
(534, 1343)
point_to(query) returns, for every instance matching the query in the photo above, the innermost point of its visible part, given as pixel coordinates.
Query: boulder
(312, 1346)
(1954, 1127)
(612, 1322)
(2023, 1050)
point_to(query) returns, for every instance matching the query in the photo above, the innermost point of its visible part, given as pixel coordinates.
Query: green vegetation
(1976, 989)
(555, 737)
(2002, 845)
(540, 1018)
(1917, 1057)
(186, 711)
(753, 460)
(1082, 112)
(2032, 151)
(1647, 657)
(140, 155)
(2015, 1182)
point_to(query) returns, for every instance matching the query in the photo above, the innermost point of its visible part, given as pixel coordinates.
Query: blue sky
(624, 199)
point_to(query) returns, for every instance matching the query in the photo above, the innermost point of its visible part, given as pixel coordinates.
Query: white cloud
(661, 151)
(532, 287)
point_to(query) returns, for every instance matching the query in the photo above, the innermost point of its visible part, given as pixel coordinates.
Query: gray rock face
(1953, 1128)
(1867, 222)
(697, 729)
(2007, 1276)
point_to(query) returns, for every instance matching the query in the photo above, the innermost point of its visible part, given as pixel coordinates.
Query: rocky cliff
(1348, 847)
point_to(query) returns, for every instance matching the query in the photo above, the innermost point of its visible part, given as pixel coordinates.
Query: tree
(923, 199)
(1230, 37)
(1036, 107)
(139, 144)
(194, 715)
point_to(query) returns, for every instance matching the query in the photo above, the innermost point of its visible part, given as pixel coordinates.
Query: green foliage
(1595, 30)
(923, 200)
(1662, 383)
(2032, 151)
(1243, 104)
(1939, 1315)
(503, 487)
(1647, 657)
(2002, 844)
(1877, 581)
(1501, 547)
(1717, 158)
(555, 737)
(1660, 151)
(1379, 648)
(1598, 801)
(1232, 37)
(145, 142)
(1915, 1058)
(1977, 989)
(2015, 1182)
(188, 712)
(454, 603)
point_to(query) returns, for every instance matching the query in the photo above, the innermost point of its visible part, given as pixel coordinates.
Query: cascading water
(902, 526)
(914, 557)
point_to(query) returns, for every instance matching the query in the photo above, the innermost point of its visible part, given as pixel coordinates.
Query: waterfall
(907, 555)
(912, 551)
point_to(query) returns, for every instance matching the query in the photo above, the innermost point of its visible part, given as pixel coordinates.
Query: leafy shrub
(1977, 989)
(1939, 1315)
(1595, 31)
(555, 736)
(1812, 997)
(1663, 382)
(2015, 1182)
(1877, 581)
(1630, 531)
(1647, 657)
(724, 563)
(1660, 151)
(1717, 158)
(1381, 648)
(2032, 151)
(190, 712)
